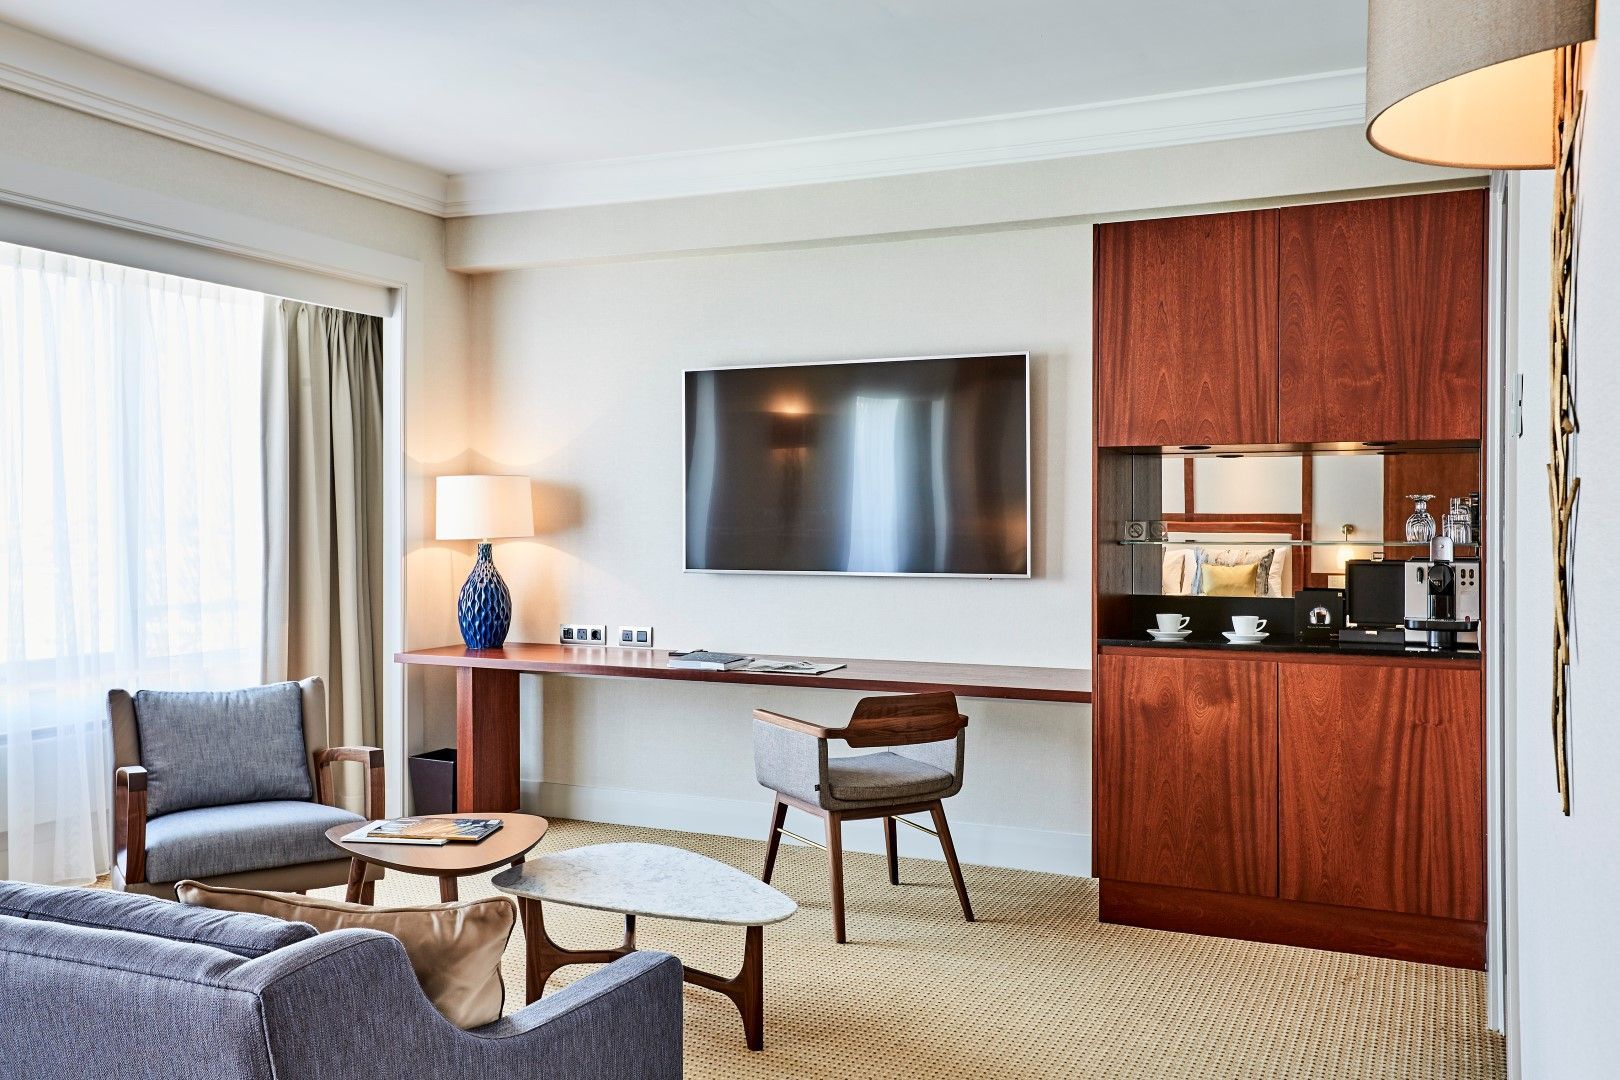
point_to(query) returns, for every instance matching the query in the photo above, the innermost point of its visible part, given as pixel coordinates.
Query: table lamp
(484, 508)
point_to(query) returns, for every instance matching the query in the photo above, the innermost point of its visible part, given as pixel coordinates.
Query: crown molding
(1328, 99)
(43, 68)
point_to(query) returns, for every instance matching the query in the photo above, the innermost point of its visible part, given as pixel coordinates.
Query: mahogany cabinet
(1382, 318)
(1382, 801)
(1186, 773)
(1185, 319)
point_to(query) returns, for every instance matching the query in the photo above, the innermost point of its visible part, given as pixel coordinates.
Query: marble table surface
(648, 879)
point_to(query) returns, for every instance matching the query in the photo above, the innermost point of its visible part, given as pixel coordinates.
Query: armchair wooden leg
(890, 841)
(778, 818)
(944, 830)
(835, 873)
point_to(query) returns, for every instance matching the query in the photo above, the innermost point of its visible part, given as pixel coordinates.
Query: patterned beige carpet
(1036, 988)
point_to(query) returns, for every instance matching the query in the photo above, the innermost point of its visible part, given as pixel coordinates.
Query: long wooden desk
(487, 694)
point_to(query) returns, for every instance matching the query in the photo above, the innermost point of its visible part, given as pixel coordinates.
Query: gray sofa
(127, 987)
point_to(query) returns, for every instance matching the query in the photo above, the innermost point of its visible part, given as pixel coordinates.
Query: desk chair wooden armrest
(369, 756)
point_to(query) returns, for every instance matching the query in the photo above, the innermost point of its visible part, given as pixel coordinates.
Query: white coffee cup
(1170, 624)
(1247, 625)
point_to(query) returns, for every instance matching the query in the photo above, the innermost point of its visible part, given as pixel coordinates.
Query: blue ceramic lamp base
(485, 607)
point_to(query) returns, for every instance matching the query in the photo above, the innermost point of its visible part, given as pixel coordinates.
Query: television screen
(917, 466)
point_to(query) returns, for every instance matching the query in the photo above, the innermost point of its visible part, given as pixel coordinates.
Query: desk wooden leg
(486, 740)
(357, 881)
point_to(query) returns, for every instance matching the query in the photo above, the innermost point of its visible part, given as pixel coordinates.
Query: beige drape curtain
(323, 512)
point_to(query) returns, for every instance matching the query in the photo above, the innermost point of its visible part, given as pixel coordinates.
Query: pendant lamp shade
(1469, 83)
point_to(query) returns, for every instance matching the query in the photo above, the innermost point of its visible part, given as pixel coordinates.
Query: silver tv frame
(1029, 478)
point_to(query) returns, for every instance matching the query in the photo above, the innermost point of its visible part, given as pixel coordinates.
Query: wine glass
(1420, 526)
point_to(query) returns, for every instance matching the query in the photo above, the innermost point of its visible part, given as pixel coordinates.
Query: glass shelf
(1216, 541)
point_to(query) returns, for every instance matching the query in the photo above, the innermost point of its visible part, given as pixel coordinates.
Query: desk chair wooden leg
(778, 819)
(889, 844)
(835, 873)
(944, 830)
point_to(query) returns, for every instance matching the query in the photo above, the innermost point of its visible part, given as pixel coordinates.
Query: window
(131, 524)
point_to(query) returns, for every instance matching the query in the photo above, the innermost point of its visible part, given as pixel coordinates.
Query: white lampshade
(484, 507)
(1470, 83)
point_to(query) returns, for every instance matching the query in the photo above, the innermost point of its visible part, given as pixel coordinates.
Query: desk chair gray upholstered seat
(924, 767)
(96, 983)
(232, 788)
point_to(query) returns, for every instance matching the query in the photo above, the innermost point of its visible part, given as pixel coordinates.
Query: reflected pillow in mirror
(1231, 580)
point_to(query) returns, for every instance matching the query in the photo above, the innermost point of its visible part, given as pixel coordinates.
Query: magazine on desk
(703, 660)
(429, 831)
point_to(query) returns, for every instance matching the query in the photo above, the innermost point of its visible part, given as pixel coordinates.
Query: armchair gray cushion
(216, 840)
(217, 747)
(86, 1000)
(239, 933)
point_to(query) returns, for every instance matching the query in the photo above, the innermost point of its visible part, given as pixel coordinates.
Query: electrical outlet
(635, 637)
(582, 634)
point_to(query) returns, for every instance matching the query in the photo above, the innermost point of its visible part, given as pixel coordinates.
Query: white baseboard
(981, 845)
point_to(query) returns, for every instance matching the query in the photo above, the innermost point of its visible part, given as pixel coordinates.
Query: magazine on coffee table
(425, 830)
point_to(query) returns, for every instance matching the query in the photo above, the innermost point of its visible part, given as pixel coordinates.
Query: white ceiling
(486, 85)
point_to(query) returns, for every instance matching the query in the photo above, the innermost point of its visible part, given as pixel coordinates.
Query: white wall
(579, 346)
(1567, 877)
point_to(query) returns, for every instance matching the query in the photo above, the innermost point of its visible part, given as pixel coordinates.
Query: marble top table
(658, 882)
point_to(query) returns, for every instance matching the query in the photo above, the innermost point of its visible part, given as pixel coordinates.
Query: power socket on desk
(635, 637)
(582, 634)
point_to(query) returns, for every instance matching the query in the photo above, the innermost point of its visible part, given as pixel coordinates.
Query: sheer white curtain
(131, 531)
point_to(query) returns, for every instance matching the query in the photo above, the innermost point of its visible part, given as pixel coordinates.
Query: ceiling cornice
(1328, 99)
(53, 71)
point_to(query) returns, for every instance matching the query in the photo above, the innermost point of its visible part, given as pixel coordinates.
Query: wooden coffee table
(509, 844)
(658, 882)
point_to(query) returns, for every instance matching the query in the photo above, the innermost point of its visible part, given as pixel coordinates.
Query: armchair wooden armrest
(803, 727)
(129, 822)
(369, 756)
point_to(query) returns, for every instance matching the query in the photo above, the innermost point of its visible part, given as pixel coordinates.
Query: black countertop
(1284, 644)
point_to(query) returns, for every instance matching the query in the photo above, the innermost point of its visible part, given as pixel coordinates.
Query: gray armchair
(232, 788)
(94, 983)
(924, 767)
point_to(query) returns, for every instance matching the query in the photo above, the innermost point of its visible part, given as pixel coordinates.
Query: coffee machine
(1442, 600)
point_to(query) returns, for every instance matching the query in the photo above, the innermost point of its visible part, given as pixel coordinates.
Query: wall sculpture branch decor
(1564, 487)
(1496, 84)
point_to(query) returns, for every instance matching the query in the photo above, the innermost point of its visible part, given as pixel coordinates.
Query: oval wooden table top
(513, 840)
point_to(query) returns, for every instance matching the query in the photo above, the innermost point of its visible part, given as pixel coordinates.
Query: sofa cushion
(244, 935)
(215, 840)
(212, 748)
(455, 949)
(882, 777)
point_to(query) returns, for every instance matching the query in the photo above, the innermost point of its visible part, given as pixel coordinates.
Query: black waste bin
(433, 781)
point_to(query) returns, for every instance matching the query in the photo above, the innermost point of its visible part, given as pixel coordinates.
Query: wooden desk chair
(923, 769)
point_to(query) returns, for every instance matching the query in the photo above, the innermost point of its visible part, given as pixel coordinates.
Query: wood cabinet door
(1186, 330)
(1382, 800)
(1383, 318)
(1186, 772)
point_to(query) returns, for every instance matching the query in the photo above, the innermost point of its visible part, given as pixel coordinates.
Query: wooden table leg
(486, 740)
(746, 990)
(449, 893)
(542, 956)
(357, 880)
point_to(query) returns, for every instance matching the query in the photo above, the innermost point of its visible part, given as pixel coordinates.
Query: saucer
(1235, 638)
(1168, 635)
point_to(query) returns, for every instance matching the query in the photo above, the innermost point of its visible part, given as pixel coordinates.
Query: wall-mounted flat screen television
(910, 466)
